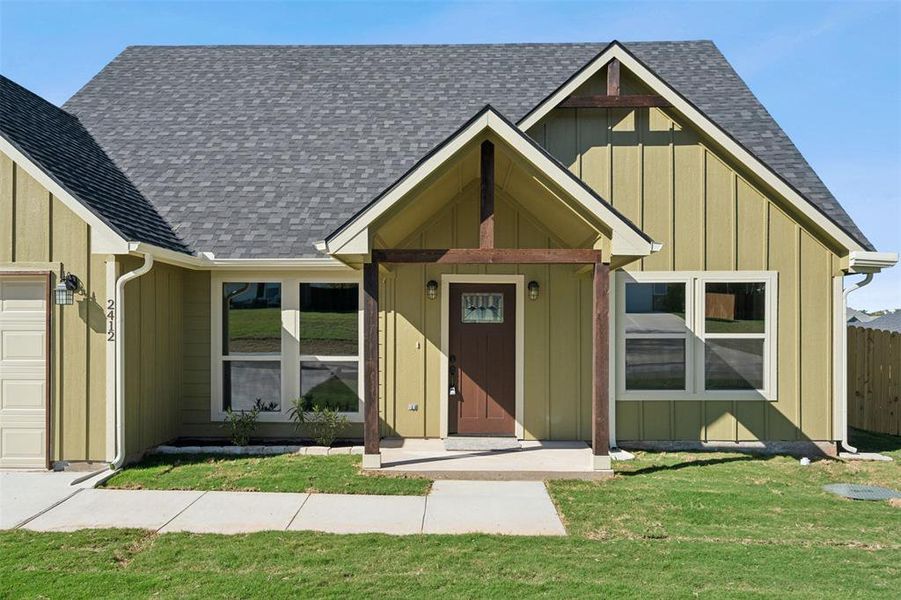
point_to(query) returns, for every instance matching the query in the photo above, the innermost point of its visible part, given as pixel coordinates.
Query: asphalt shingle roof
(259, 151)
(57, 142)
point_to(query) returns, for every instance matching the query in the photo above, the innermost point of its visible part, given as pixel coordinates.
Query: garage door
(23, 360)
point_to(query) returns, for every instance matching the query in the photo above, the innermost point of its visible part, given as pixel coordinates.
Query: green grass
(286, 473)
(676, 525)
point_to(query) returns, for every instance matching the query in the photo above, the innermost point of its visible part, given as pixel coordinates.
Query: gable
(819, 209)
(356, 238)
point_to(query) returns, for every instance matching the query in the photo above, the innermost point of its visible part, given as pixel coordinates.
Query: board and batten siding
(38, 232)
(154, 347)
(557, 360)
(710, 215)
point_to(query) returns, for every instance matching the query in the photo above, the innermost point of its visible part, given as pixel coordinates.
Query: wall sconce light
(64, 293)
(431, 289)
(533, 290)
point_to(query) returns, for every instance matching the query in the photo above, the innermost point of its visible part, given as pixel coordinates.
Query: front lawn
(668, 525)
(285, 473)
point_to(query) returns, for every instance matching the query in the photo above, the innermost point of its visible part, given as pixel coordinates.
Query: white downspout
(120, 358)
(843, 373)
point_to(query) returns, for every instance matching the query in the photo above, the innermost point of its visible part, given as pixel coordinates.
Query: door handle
(452, 376)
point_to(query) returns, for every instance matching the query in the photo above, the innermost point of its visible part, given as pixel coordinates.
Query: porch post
(600, 426)
(372, 459)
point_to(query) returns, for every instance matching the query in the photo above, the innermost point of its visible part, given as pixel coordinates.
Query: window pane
(734, 307)
(655, 307)
(482, 308)
(733, 364)
(329, 384)
(328, 319)
(249, 382)
(252, 318)
(655, 364)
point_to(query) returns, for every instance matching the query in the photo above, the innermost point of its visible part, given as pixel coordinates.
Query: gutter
(843, 373)
(120, 358)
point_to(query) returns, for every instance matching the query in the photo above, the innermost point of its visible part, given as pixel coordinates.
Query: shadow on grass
(867, 441)
(690, 464)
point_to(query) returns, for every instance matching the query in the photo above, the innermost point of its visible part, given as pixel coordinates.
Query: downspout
(120, 358)
(843, 388)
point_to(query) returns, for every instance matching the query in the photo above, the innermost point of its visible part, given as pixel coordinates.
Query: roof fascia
(105, 239)
(627, 239)
(207, 261)
(699, 120)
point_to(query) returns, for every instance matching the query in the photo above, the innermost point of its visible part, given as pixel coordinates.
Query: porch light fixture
(64, 293)
(533, 290)
(431, 289)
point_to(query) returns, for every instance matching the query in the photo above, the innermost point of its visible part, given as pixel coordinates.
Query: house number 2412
(110, 320)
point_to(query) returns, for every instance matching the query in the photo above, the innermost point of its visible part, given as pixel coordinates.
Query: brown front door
(482, 358)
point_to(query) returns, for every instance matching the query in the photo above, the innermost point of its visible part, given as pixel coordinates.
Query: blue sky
(829, 72)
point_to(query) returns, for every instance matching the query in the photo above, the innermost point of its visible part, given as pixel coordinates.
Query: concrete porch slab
(535, 461)
(95, 509)
(499, 507)
(238, 512)
(349, 513)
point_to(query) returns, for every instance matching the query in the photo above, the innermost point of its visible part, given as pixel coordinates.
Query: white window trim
(694, 321)
(290, 356)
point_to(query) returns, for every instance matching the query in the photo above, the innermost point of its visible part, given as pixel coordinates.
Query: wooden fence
(874, 380)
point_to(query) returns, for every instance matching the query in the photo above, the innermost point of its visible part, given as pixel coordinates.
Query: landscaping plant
(243, 423)
(324, 423)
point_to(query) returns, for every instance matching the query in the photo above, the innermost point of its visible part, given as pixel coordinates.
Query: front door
(482, 359)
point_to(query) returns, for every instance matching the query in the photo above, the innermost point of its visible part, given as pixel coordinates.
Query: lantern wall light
(431, 289)
(533, 290)
(64, 293)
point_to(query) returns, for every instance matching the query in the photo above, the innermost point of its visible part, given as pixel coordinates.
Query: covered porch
(485, 308)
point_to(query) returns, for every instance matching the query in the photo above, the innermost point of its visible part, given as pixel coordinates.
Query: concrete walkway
(452, 507)
(24, 494)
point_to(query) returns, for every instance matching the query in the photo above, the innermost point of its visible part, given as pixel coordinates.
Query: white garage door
(23, 360)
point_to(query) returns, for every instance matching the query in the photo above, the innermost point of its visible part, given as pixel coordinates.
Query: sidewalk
(452, 507)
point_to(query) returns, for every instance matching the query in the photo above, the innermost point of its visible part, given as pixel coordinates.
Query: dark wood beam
(613, 86)
(634, 101)
(371, 358)
(600, 414)
(486, 199)
(489, 256)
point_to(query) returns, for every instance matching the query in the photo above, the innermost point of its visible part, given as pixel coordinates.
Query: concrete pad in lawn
(350, 513)
(499, 507)
(95, 509)
(238, 512)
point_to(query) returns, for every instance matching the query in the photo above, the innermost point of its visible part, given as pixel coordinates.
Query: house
(613, 243)
(857, 316)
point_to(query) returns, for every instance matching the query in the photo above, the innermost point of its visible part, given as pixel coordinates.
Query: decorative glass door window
(251, 346)
(482, 308)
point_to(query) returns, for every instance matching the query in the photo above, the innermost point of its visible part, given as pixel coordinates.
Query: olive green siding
(154, 347)
(38, 232)
(709, 214)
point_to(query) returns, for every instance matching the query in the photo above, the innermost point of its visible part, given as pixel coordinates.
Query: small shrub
(325, 424)
(243, 423)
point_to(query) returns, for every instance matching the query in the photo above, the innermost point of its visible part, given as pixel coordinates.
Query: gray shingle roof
(258, 151)
(56, 142)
